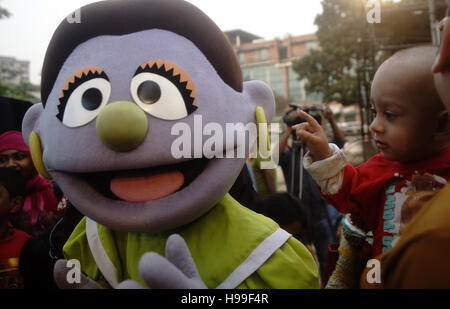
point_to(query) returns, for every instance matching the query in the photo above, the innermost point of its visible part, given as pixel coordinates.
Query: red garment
(10, 249)
(40, 198)
(39, 204)
(376, 190)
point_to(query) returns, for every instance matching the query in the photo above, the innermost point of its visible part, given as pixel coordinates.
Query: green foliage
(351, 49)
(332, 70)
(4, 13)
(328, 77)
(21, 92)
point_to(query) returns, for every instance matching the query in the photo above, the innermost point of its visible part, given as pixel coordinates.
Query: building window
(282, 52)
(241, 57)
(247, 74)
(261, 54)
(276, 81)
(295, 86)
(311, 45)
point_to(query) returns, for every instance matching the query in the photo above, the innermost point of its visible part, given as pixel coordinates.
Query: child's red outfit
(10, 248)
(376, 190)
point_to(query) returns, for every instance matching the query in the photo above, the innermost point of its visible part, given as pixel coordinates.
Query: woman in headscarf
(40, 208)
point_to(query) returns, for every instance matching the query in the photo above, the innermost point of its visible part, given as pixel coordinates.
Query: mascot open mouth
(147, 184)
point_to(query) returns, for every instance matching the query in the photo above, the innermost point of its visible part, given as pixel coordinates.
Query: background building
(271, 61)
(14, 71)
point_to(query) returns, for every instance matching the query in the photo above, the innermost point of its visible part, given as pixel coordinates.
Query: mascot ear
(259, 94)
(32, 139)
(30, 121)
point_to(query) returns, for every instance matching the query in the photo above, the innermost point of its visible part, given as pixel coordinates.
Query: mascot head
(118, 89)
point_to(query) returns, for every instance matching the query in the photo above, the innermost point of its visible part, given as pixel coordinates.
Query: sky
(26, 34)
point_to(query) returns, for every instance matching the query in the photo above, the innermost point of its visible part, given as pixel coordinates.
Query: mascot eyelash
(78, 80)
(174, 78)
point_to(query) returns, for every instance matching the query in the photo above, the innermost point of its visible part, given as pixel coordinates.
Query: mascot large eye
(164, 90)
(84, 96)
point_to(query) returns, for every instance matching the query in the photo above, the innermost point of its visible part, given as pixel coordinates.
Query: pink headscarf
(40, 198)
(12, 140)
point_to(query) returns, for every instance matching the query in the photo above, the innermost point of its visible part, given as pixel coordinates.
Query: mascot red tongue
(146, 188)
(121, 91)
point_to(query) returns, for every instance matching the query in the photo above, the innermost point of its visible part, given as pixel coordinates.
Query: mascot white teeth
(113, 87)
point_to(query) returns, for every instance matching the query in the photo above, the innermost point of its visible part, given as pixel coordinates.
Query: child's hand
(312, 133)
(327, 113)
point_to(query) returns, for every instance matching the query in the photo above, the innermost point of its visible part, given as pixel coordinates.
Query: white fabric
(256, 259)
(102, 260)
(328, 173)
(351, 228)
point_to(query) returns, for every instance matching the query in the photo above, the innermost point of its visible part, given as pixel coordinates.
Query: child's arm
(328, 166)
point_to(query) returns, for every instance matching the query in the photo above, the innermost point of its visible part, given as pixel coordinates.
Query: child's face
(403, 128)
(19, 160)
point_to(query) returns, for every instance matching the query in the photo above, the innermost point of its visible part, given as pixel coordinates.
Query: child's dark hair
(12, 181)
(285, 209)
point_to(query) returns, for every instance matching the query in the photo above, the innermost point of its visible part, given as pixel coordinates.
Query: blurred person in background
(321, 225)
(39, 212)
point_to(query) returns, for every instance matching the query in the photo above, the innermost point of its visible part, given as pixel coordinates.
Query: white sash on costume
(102, 260)
(254, 261)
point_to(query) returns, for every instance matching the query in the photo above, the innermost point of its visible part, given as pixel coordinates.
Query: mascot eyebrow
(76, 79)
(176, 75)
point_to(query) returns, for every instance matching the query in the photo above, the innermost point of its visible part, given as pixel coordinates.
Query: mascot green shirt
(232, 246)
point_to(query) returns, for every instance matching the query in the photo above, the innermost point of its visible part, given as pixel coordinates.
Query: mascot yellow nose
(122, 126)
